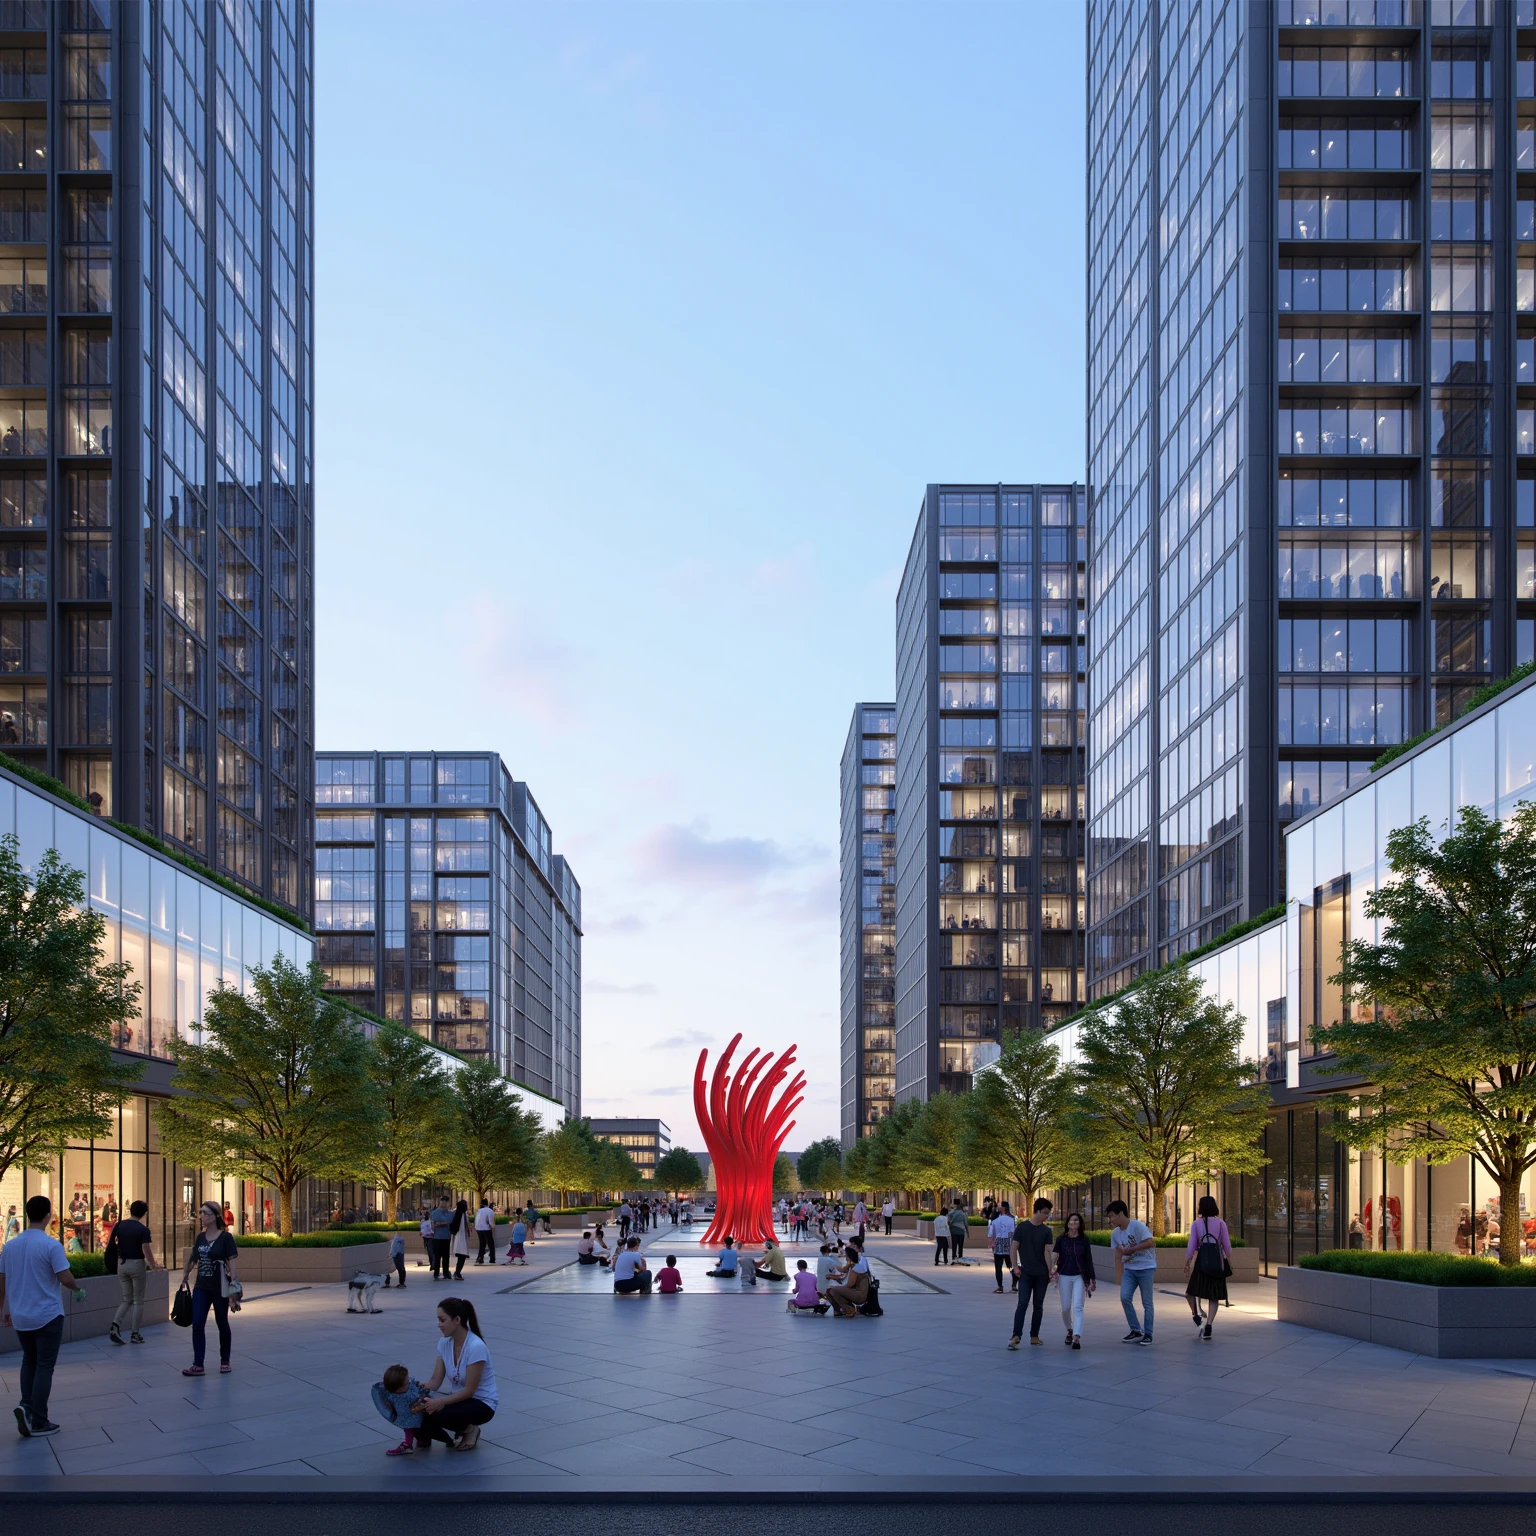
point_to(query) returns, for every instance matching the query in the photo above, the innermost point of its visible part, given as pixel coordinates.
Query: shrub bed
(307, 1240)
(1100, 1239)
(1418, 1268)
(84, 1265)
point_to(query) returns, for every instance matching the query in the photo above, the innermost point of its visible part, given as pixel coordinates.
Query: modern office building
(647, 1141)
(156, 419)
(868, 920)
(1312, 320)
(989, 775)
(439, 899)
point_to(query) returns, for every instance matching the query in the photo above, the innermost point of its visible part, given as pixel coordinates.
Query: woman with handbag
(458, 1242)
(213, 1255)
(1207, 1262)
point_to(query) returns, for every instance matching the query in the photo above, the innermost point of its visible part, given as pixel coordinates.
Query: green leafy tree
(617, 1171)
(278, 1089)
(889, 1163)
(61, 1009)
(1018, 1120)
(496, 1143)
(571, 1157)
(821, 1165)
(856, 1165)
(413, 1131)
(1163, 1094)
(1443, 1015)
(934, 1151)
(679, 1170)
(784, 1175)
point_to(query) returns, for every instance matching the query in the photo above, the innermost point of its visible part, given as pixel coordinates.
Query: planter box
(1448, 1322)
(314, 1266)
(1170, 1266)
(90, 1319)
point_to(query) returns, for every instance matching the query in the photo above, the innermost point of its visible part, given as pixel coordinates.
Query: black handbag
(109, 1254)
(181, 1308)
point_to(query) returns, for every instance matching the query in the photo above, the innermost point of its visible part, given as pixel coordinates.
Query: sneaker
(1013, 1343)
(193, 1370)
(1077, 1343)
(1035, 1338)
(405, 1448)
(999, 1291)
(1197, 1320)
(1133, 1337)
(115, 1334)
(225, 1368)
(135, 1338)
(44, 1427)
(23, 1423)
(1069, 1338)
(1146, 1338)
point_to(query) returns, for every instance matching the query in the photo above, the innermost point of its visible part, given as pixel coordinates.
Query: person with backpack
(1207, 1262)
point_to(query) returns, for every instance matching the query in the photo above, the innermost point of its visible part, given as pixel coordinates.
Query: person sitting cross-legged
(805, 1297)
(771, 1266)
(629, 1271)
(726, 1265)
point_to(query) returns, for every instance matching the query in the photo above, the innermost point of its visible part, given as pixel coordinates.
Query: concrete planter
(1170, 1266)
(90, 1319)
(1448, 1322)
(313, 1266)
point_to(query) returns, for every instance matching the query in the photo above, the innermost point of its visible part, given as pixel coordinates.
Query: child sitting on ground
(393, 1397)
(669, 1278)
(805, 1297)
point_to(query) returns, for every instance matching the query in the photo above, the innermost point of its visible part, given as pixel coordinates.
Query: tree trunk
(1509, 1220)
(391, 1205)
(1159, 1211)
(285, 1211)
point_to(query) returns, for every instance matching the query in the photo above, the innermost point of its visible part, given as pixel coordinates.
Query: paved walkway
(728, 1391)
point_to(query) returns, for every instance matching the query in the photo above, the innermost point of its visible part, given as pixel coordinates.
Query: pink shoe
(225, 1368)
(405, 1448)
(193, 1370)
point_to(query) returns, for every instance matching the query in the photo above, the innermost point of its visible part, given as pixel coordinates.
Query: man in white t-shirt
(1000, 1235)
(888, 1213)
(629, 1271)
(1136, 1254)
(34, 1278)
(485, 1231)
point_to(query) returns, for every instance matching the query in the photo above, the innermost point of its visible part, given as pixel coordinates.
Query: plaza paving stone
(724, 1390)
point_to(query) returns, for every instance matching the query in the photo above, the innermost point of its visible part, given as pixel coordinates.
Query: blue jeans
(1132, 1280)
(201, 1301)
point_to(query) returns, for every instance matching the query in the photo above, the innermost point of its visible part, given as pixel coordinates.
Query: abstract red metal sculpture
(743, 1130)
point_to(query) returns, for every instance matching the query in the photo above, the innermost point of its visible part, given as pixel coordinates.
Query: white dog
(362, 1288)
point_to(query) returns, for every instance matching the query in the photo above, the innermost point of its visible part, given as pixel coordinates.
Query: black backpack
(1208, 1255)
(872, 1308)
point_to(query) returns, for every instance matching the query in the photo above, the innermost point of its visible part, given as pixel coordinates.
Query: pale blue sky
(640, 330)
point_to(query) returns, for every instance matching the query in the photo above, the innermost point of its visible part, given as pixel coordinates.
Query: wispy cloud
(685, 1041)
(634, 989)
(688, 855)
(535, 673)
(629, 923)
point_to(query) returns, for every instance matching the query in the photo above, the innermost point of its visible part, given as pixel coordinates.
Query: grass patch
(1418, 1268)
(308, 1240)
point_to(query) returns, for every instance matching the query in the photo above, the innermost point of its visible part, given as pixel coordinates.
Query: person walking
(1029, 1246)
(34, 1277)
(485, 1232)
(1000, 1235)
(626, 1215)
(458, 1238)
(941, 1238)
(1136, 1256)
(441, 1217)
(861, 1216)
(214, 1256)
(464, 1370)
(130, 1251)
(959, 1225)
(1207, 1260)
(887, 1213)
(397, 1258)
(1075, 1280)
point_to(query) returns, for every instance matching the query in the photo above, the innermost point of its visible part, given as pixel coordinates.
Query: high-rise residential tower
(439, 900)
(1312, 314)
(868, 919)
(156, 422)
(989, 775)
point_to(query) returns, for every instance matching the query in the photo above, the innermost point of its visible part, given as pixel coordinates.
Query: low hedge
(85, 1265)
(307, 1239)
(1100, 1239)
(1418, 1268)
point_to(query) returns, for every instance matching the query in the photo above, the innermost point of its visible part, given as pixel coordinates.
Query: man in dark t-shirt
(1032, 1248)
(135, 1257)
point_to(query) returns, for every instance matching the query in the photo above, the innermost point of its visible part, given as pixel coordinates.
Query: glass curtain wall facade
(868, 920)
(647, 1141)
(156, 423)
(1310, 271)
(439, 901)
(990, 651)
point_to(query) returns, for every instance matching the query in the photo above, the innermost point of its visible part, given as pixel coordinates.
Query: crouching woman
(461, 1391)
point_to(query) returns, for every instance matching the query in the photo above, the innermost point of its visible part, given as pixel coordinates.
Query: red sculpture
(744, 1135)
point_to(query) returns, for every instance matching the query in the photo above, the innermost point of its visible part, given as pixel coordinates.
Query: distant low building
(647, 1141)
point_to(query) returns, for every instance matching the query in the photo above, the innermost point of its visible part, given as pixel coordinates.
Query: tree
(61, 1008)
(888, 1162)
(278, 1089)
(856, 1165)
(413, 1132)
(784, 1175)
(1163, 1095)
(933, 1152)
(1018, 1130)
(495, 1142)
(616, 1171)
(820, 1166)
(571, 1157)
(679, 1170)
(1442, 1013)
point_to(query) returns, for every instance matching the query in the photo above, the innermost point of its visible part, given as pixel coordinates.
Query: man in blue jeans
(34, 1275)
(1136, 1252)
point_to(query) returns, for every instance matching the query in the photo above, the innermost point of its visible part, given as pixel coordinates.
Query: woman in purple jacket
(1206, 1261)
(1074, 1276)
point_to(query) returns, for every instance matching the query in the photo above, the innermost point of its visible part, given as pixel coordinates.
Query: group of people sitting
(841, 1281)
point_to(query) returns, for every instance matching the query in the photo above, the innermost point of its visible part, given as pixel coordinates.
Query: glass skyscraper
(439, 900)
(990, 654)
(156, 423)
(868, 919)
(1312, 259)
